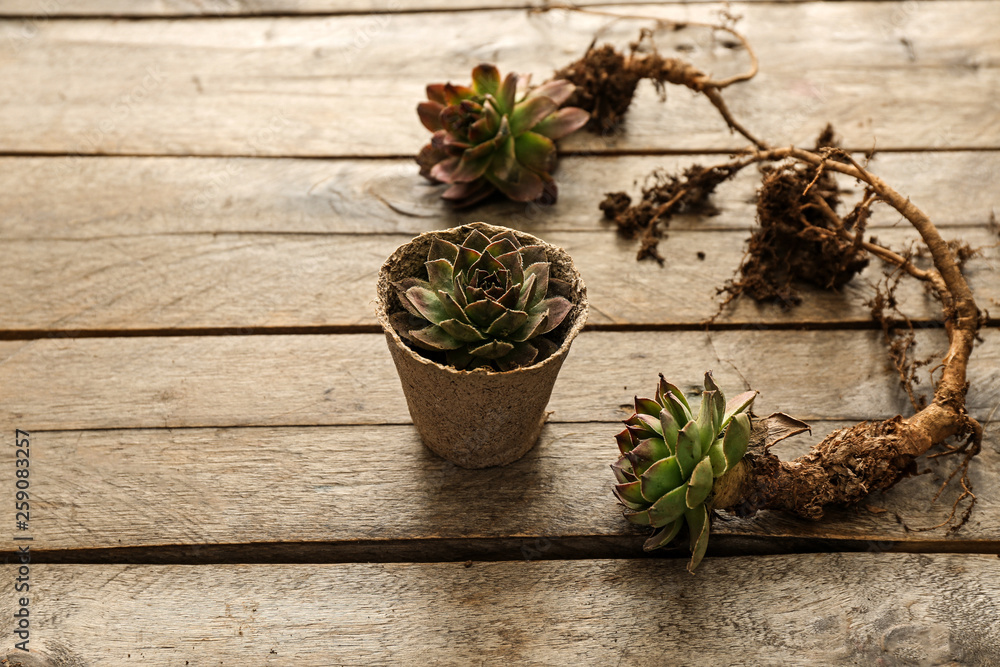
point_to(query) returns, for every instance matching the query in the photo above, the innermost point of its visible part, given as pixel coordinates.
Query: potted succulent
(478, 320)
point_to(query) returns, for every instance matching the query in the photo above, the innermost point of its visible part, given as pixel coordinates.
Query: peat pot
(477, 418)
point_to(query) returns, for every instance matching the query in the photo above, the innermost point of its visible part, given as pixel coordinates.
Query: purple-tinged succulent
(487, 139)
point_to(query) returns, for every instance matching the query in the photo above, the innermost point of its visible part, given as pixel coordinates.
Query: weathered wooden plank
(220, 381)
(835, 609)
(249, 280)
(40, 11)
(62, 198)
(336, 86)
(202, 488)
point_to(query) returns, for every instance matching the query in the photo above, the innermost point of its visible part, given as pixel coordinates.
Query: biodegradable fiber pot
(477, 418)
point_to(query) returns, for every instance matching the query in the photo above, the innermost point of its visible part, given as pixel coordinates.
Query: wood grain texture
(337, 86)
(100, 197)
(306, 380)
(40, 10)
(256, 280)
(300, 489)
(820, 609)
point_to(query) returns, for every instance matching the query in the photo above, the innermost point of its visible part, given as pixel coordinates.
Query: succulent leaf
(461, 331)
(669, 507)
(507, 323)
(507, 93)
(495, 349)
(651, 423)
(519, 184)
(427, 304)
(620, 474)
(710, 383)
(523, 354)
(466, 258)
(698, 528)
(532, 328)
(539, 286)
(718, 458)
(440, 274)
(477, 241)
(435, 338)
(441, 249)
(529, 113)
(533, 254)
(625, 467)
(738, 404)
(669, 429)
(509, 298)
(556, 309)
(646, 453)
(435, 93)
(688, 448)
(501, 246)
(535, 152)
(527, 287)
(678, 410)
(484, 312)
(515, 265)
(430, 115)
(719, 411)
(737, 439)
(630, 496)
(700, 484)
(562, 123)
(678, 395)
(663, 536)
(706, 426)
(486, 80)
(625, 442)
(558, 90)
(660, 478)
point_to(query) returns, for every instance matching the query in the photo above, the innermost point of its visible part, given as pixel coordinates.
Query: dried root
(606, 80)
(900, 336)
(855, 461)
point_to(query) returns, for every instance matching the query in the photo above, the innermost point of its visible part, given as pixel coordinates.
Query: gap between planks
(345, 330)
(533, 548)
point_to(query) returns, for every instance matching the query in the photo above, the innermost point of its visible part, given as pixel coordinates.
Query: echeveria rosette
(486, 138)
(486, 303)
(672, 457)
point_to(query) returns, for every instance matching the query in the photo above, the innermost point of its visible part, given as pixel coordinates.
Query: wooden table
(196, 198)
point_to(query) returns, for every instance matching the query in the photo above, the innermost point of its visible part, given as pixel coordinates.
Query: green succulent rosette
(670, 459)
(486, 303)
